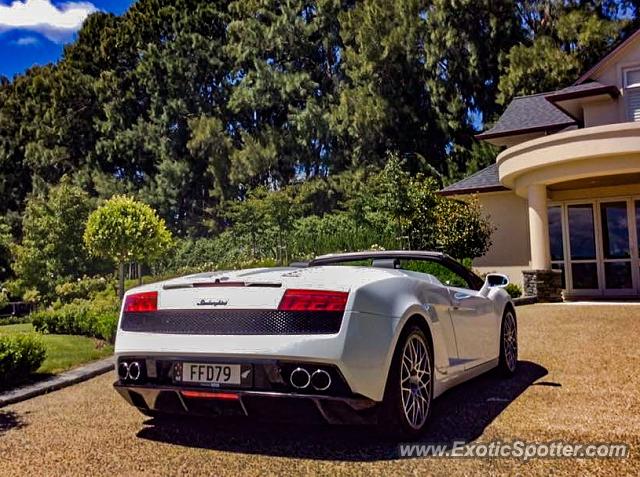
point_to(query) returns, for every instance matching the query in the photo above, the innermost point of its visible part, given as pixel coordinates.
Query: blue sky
(33, 32)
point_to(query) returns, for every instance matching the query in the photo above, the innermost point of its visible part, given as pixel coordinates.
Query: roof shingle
(582, 91)
(485, 180)
(528, 114)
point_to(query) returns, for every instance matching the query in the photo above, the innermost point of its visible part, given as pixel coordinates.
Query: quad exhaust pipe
(300, 378)
(131, 371)
(319, 380)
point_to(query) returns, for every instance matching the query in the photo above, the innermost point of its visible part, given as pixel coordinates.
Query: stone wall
(545, 285)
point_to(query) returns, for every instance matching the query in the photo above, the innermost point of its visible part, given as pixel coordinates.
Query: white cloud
(56, 22)
(26, 41)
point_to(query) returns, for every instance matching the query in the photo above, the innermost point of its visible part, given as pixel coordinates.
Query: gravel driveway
(578, 381)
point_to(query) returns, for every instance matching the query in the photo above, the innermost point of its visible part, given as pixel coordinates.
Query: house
(564, 193)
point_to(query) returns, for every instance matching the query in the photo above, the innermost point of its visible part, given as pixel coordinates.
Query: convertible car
(365, 337)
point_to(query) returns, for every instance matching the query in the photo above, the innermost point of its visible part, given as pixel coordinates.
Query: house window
(632, 93)
(556, 241)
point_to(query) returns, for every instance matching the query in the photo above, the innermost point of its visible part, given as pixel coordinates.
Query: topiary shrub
(20, 356)
(513, 290)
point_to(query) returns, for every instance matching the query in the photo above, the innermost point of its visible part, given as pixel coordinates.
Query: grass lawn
(63, 351)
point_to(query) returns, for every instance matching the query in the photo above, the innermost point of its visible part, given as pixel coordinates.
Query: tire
(407, 402)
(508, 362)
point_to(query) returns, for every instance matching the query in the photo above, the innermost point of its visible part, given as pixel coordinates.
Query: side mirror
(496, 280)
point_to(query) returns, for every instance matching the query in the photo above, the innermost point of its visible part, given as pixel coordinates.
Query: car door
(474, 323)
(472, 316)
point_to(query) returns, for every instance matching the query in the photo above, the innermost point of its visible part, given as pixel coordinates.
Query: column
(539, 227)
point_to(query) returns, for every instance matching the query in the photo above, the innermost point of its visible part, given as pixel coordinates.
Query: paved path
(578, 382)
(62, 380)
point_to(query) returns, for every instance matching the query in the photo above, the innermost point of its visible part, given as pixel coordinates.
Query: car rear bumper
(154, 399)
(361, 349)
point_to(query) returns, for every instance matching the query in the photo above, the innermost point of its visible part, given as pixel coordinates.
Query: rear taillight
(141, 302)
(313, 300)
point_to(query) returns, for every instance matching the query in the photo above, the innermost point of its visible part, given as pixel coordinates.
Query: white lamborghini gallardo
(366, 337)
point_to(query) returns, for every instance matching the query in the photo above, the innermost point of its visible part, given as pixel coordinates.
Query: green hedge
(97, 318)
(20, 356)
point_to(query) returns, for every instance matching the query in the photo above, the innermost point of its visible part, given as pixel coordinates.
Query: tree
(5, 250)
(171, 68)
(189, 104)
(249, 219)
(562, 39)
(125, 230)
(51, 249)
(286, 58)
(421, 218)
(464, 58)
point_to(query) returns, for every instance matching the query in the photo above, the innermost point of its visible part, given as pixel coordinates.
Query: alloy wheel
(510, 341)
(415, 381)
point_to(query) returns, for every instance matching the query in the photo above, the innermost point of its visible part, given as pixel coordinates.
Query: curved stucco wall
(509, 252)
(588, 152)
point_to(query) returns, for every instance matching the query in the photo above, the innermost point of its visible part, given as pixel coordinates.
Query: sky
(33, 32)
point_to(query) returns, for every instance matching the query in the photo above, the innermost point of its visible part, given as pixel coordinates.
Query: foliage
(5, 250)
(13, 320)
(460, 228)
(514, 290)
(389, 209)
(125, 230)
(82, 288)
(189, 104)
(14, 289)
(4, 299)
(265, 126)
(561, 41)
(97, 318)
(51, 249)
(32, 296)
(439, 271)
(20, 356)
(425, 220)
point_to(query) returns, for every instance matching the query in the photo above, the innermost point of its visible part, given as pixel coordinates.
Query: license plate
(210, 373)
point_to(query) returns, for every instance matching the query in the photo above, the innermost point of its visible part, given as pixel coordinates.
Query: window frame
(634, 88)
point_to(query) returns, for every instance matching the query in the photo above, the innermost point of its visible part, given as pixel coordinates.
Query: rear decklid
(247, 289)
(248, 302)
(261, 288)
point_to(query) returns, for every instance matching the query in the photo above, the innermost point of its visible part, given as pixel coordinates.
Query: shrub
(14, 320)
(14, 289)
(31, 295)
(85, 288)
(20, 356)
(513, 290)
(4, 299)
(97, 318)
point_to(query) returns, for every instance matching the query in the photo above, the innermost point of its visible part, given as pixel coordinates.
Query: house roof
(538, 113)
(583, 90)
(528, 114)
(614, 51)
(485, 180)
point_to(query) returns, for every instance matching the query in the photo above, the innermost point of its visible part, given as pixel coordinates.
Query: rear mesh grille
(233, 322)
